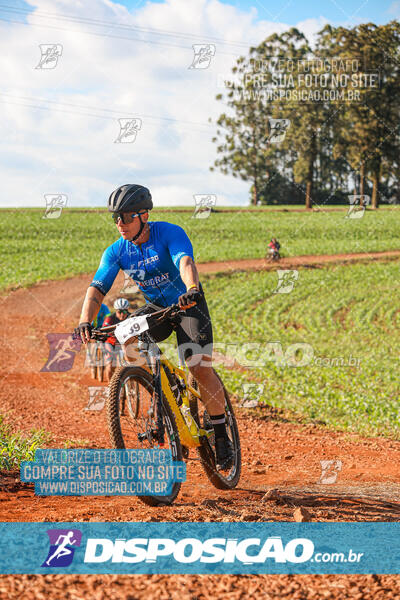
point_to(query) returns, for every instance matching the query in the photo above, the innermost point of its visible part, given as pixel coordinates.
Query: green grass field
(34, 249)
(343, 312)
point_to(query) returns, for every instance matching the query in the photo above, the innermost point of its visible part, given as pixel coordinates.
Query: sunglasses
(126, 218)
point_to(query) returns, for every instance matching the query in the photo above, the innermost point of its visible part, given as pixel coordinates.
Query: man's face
(129, 230)
(121, 314)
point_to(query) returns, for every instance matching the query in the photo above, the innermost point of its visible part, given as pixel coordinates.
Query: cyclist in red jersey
(273, 249)
(112, 348)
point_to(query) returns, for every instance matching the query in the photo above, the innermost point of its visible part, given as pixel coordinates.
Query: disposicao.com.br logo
(161, 552)
(191, 550)
(62, 547)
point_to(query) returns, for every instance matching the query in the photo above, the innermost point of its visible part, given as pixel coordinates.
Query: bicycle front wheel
(132, 420)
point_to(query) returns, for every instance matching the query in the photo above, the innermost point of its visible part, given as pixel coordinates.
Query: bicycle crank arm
(210, 454)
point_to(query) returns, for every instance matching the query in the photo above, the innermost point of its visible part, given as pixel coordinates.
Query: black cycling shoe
(224, 452)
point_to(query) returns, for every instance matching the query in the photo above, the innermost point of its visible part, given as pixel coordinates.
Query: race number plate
(131, 328)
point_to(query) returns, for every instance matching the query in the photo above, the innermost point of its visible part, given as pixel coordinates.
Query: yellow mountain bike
(157, 404)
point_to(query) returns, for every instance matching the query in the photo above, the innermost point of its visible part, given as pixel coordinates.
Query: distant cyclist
(101, 315)
(92, 348)
(158, 256)
(273, 249)
(111, 347)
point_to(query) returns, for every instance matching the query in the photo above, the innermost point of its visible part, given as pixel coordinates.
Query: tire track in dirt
(293, 262)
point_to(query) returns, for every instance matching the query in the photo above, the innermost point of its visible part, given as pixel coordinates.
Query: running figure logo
(251, 394)
(277, 130)
(54, 205)
(97, 397)
(128, 129)
(50, 55)
(358, 204)
(203, 205)
(61, 551)
(286, 280)
(203, 54)
(61, 352)
(329, 471)
(129, 286)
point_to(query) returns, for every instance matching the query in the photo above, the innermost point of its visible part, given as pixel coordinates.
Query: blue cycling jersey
(101, 315)
(153, 265)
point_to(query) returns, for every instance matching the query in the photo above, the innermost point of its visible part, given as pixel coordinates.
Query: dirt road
(294, 262)
(276, 454)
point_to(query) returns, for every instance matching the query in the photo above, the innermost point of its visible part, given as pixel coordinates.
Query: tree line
(315, 123)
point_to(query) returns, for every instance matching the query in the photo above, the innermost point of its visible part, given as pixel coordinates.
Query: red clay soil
(276, 454)
(293, 262)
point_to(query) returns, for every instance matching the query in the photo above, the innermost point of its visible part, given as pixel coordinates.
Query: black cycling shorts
(194, 333)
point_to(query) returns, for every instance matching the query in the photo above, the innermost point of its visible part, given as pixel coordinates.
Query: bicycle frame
(190, 433)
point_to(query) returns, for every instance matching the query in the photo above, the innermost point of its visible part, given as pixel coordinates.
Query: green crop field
(34, 249)
(348, 315)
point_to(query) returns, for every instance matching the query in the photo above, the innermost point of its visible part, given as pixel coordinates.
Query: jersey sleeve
(107, 271)
(178, 243)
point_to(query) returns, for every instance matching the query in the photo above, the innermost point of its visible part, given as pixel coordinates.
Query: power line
(98, 22)
(107, 35)
(120, 113)
(76, 112)
(119, 37)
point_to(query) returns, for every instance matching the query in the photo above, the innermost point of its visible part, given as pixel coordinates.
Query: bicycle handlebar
(160, 315)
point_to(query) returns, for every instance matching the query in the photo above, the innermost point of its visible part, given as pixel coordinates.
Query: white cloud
(310, 27)
(394, 9)
(67, 145)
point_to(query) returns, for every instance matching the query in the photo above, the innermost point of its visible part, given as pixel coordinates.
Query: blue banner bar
(200, 548)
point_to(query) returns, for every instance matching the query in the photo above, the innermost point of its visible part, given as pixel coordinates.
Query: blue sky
(132, 59)
(287, 11)
(293, 11)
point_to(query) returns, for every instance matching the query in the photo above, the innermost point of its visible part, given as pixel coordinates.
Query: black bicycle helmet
(130, 197)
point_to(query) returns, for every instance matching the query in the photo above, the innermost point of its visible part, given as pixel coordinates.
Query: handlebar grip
(188, 306)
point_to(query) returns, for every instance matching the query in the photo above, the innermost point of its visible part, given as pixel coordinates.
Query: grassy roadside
(34, 249)
(348, 316)
(16, 447)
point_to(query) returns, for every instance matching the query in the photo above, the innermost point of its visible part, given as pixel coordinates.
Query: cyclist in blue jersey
(158, 256)
(92, 348)
(101, 315)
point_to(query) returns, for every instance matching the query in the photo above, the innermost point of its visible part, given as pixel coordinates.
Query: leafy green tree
(241, 134)
(367, 131)
(328, 140)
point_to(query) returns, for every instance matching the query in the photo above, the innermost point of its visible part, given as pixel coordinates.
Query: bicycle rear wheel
(132, 419)
(220, 479)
